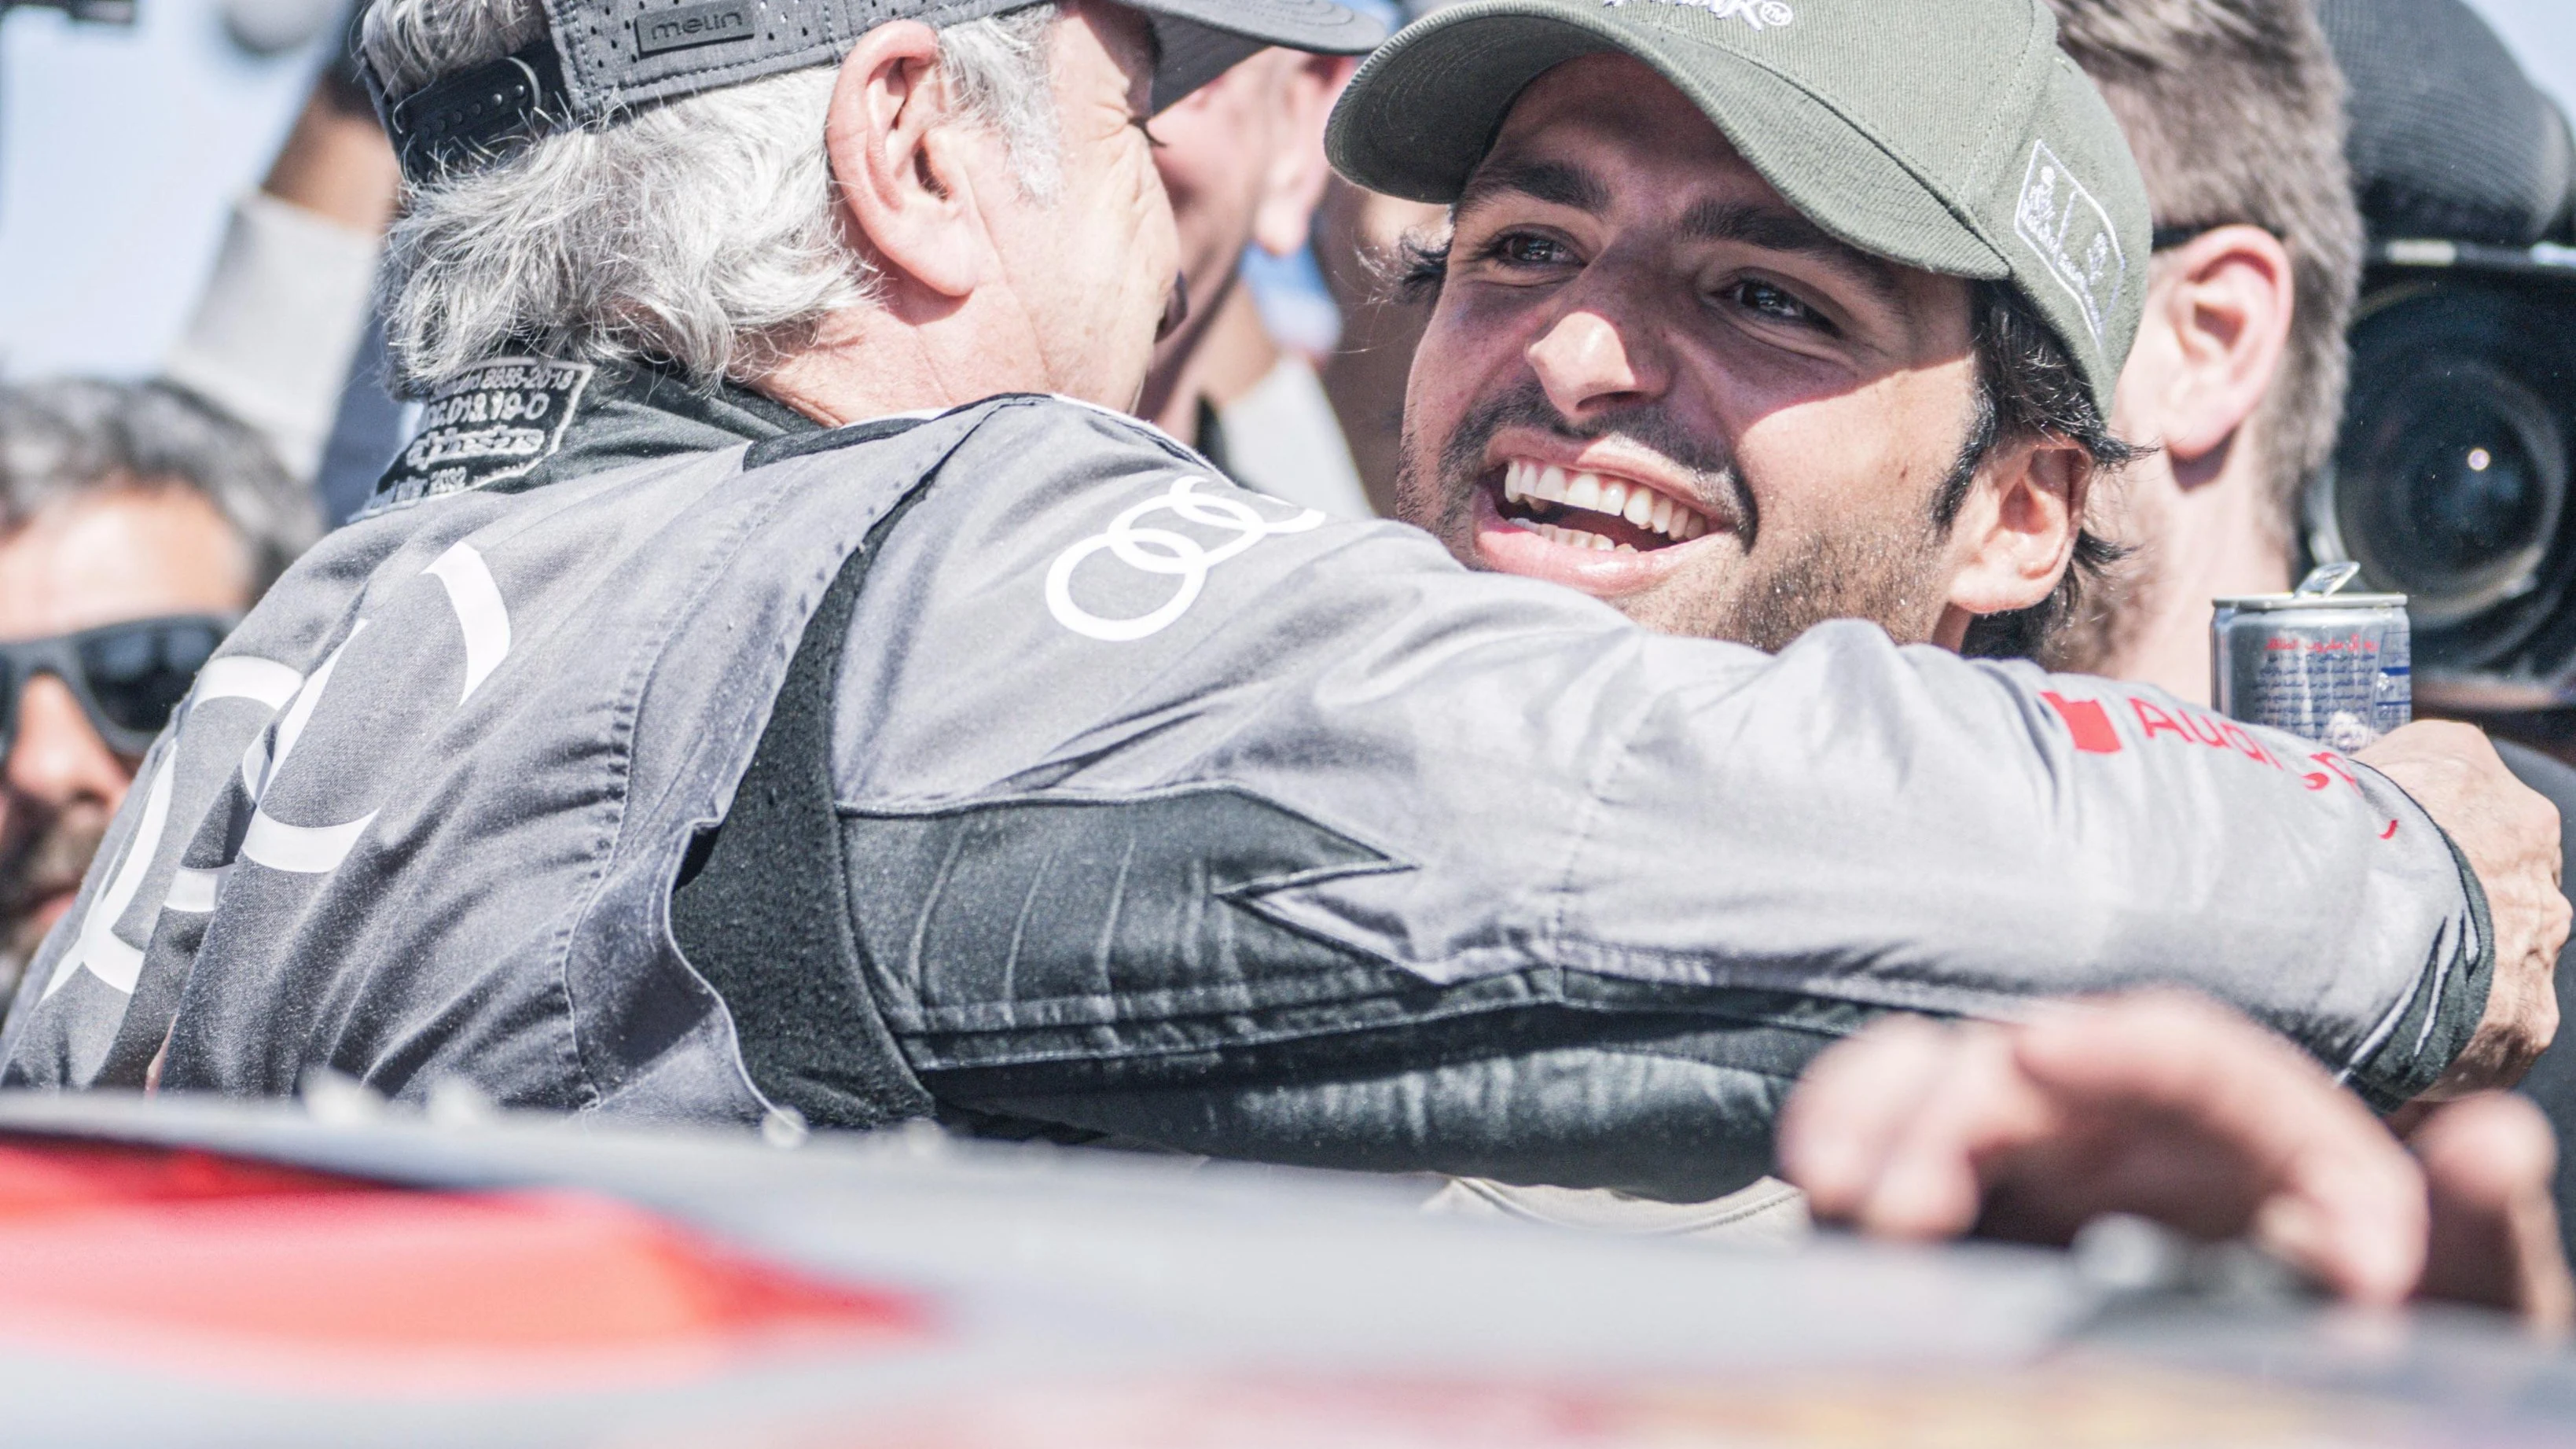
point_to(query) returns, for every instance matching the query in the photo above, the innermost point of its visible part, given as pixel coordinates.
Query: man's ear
(2015, 534)
(2225, 299)
(895, 158)
(1298, 170)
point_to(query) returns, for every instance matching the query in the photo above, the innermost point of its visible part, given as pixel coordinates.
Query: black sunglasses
(128, 677)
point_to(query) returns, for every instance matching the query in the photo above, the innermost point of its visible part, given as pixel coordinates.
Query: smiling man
(1650, 376)
(766, 698)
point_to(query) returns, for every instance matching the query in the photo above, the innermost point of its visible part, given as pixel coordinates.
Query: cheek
(1474, 346)
(1150, 247)
(1444, 376)
(1831, 466)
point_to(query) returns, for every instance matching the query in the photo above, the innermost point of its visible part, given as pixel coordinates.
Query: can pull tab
(2328, 578)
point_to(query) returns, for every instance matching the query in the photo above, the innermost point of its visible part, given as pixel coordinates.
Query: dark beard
(52, 860)
(1885, 577)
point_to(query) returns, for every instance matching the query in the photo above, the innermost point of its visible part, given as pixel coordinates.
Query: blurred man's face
(1214, 157)
(1095, 265)
(1242, 160)
(1650, 378)
(94, 559)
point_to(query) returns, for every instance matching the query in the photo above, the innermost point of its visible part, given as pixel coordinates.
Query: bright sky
(120, 151)
(2543, 33)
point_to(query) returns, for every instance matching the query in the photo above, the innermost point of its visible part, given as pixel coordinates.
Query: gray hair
(703, 234)
(71, 436)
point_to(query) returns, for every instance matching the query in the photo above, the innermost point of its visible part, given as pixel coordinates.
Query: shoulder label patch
(2063, 222)
(498, 421)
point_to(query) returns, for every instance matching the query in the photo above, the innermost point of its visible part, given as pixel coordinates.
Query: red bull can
(2330, 666)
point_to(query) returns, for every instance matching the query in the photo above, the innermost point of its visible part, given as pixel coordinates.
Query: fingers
(2166, 1104)
(1850, 1105)
(2509, 833)
(1891, 1131)
(2249, 1120)
(2488, 1161)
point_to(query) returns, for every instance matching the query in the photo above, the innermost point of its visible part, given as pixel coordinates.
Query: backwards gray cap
(1950, 135)
(600, 57)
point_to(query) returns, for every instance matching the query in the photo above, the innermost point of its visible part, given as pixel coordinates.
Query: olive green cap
(1948, 135)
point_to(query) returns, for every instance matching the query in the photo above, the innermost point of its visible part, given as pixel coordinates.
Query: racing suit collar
(517, 423)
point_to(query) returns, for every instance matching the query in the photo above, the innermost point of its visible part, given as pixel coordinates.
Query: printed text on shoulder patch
(497, 421)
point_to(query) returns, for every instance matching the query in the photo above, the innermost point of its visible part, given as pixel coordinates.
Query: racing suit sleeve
(1292, 840)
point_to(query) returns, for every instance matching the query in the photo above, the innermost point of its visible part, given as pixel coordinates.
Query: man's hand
(2488, 1161)
(2166, 1106)
(2510, 835)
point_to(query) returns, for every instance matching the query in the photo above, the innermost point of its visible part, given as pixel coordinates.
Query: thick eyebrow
(1778, 229)
(1553, 182)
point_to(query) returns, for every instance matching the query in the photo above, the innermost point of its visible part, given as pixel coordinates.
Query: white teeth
(1641, 506)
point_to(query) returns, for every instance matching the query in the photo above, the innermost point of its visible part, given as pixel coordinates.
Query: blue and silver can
(2333, 667)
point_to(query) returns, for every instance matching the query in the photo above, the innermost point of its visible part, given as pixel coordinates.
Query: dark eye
(1773, 303)
(1528, 249)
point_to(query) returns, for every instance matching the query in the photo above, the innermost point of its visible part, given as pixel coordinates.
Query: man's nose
(1587, 362)
(57, 758)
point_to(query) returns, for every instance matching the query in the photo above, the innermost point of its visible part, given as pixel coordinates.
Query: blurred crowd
(140, 520)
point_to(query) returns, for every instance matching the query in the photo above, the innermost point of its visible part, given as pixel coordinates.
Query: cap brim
(1203, 39)
(1424, 110)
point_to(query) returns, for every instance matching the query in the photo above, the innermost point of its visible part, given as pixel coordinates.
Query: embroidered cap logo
(1760, 14)
(2072, 233)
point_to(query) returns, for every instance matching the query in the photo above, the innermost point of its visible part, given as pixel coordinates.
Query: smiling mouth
(1589, 511)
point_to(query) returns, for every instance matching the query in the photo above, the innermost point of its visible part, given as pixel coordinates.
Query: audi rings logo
(1165, 553)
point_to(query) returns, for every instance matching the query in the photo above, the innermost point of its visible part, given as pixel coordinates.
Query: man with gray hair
(775, 682)
(135, 525)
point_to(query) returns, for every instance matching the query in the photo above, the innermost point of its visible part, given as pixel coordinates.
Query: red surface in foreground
(191, 1263)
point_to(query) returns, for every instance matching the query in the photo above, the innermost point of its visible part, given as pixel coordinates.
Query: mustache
(54, 859)
(1714, 478)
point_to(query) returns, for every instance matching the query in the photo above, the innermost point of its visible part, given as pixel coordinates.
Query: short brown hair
(2234, 109)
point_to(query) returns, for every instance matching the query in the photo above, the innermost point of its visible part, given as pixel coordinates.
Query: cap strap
(472, 115)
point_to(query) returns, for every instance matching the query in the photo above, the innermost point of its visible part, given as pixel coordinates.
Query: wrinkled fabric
(1174, 813)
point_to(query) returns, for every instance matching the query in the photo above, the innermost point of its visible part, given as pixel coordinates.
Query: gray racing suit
(659, 754)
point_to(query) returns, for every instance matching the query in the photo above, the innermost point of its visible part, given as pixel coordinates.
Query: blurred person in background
(2237, 113)
(281, 335)
(1243, 162)
(136, 524)
(2234, 109)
